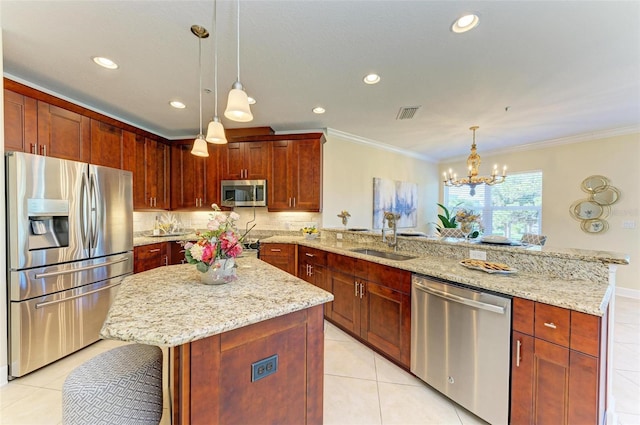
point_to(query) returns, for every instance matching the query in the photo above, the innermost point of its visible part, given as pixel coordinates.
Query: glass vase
(221, 272)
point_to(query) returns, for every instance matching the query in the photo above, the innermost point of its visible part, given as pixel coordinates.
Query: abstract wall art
(395, 196)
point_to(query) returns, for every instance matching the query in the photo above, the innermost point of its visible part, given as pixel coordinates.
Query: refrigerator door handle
(95, 215)
(84, 207)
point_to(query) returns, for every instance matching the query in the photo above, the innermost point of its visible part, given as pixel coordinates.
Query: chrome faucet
(392, 219)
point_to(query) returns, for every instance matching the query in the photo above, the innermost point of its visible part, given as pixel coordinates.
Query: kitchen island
(219, 337)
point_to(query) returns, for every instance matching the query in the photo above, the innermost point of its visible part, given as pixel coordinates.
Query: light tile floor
(361, 387)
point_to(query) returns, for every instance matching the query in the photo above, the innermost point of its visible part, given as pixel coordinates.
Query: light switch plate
(477, 255)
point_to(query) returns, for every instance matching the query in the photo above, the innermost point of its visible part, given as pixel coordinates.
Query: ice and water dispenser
(48, 223)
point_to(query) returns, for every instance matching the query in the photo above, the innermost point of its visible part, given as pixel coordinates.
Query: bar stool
(120, 386)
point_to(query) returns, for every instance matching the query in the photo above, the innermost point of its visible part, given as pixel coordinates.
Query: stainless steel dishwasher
(460, 345)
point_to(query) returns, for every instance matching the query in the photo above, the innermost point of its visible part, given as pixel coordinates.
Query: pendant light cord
(215, 55)
(200, 77)
(238, 44)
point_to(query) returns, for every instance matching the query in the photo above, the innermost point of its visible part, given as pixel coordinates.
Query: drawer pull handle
(355, 287)
(155, 250)
(309, 255)
(550, 325)
(275, 250)
(518, 348)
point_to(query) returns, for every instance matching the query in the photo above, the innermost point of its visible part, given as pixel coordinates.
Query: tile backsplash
(264, 220)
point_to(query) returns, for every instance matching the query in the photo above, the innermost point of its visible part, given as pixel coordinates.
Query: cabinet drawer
(147, 252)
(552, 324)
(341, 263)
(312, 255)
(276, 250)
(397, 279)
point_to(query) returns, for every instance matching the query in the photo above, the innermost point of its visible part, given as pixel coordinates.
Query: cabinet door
(106, 145)
(521, 379)
(386, 321)
(187, 178)
(212, 176)
(346, 302)
(63, 134)
(279, 183)
(157, 159)
(307, 175)
(20, 123)
(232, 161)
(550, 383)
(584, 400)
(256, 160)
(176, 253)
(141, 200)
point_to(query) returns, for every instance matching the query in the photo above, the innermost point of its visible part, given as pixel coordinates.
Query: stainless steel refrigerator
(69, 245)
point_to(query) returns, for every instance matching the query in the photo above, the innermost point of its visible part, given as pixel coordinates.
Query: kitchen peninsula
(561, 322)
(217, 334)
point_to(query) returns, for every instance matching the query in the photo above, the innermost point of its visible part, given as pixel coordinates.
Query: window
(511, 208)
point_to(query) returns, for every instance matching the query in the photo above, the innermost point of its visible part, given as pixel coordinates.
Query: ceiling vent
(407, 112)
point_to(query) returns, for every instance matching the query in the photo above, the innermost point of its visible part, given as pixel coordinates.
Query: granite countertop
(580, 294)
(147, 239)
(168, 306)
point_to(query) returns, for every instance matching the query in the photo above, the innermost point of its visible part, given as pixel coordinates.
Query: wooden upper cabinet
(20, 123)
(295, 176)
(151, 174)
(157, 155)
(245, 161)
(63, 133)
(106, 145)
(195, 183)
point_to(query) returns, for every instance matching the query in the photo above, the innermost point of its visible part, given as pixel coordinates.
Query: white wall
(564, 167)
(348, 171)
(3, 248)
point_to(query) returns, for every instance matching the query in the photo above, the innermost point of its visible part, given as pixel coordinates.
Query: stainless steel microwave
(244, 193)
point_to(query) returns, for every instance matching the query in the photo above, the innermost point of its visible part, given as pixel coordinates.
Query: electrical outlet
(477, 255)
(338, 235)
(263, 368)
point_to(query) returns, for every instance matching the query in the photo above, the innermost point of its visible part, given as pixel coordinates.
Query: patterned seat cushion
(120, 386)
(451, 233)
(530, 238)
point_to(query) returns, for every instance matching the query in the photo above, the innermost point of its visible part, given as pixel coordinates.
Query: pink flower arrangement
(219, 241)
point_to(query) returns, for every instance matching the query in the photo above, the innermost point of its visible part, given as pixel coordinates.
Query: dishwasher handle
(461, 300)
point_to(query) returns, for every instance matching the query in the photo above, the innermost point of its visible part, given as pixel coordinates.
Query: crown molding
(378, 145)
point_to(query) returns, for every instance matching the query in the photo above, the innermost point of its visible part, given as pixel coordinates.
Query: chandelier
(473, 165)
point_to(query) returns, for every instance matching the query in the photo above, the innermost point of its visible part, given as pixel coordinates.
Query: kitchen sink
(383, 254)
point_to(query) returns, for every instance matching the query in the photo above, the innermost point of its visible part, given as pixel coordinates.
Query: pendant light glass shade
(200, 147)
(215, 132)
(238, 104)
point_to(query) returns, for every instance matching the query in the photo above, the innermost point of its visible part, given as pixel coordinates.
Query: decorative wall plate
(593, 184)
(588, 210)
(594, 226)
(607, 196)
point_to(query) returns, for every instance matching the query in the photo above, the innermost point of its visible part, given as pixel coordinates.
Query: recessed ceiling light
(177, 104)
(251, 100)
(105, 62)
(318, 110)
(465, 23)
(371, 79)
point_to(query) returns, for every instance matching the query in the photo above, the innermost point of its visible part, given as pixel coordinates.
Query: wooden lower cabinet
(147, 257)
(212, 382)
(281, 255)
(552, 380)
(312, 267)
(372, 301)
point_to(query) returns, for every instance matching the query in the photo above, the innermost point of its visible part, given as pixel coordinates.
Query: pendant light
(215, 130)
(238, 102)
(200, 145)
